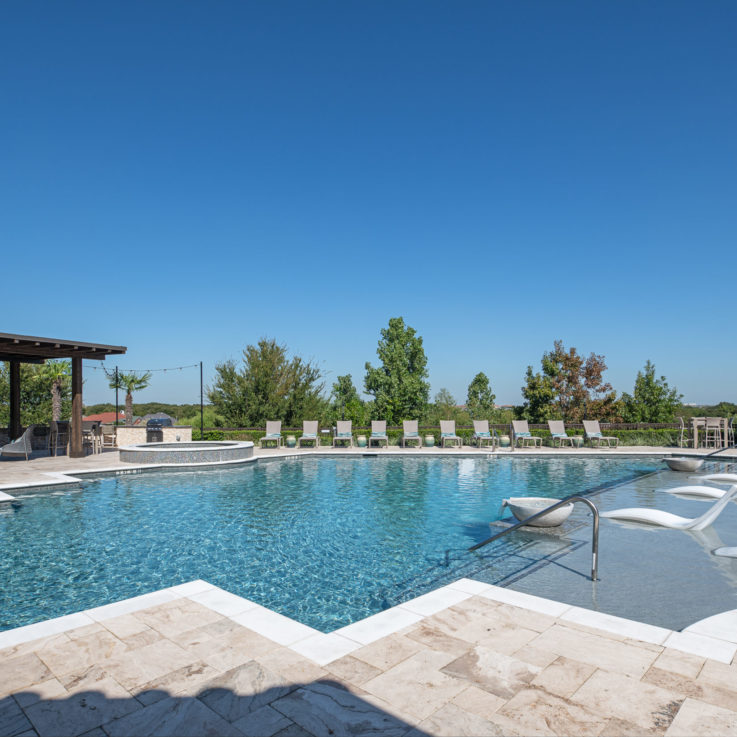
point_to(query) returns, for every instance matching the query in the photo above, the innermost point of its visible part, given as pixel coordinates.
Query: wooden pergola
(18, 349)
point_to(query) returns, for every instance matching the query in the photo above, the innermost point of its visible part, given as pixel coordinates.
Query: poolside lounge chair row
(411, 434)
(481, 434)
(592, 431)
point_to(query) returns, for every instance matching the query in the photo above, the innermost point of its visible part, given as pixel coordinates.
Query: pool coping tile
(134, 604)
(222, 602)
(702, 645)
(373, 628)
(617, 625)
(323, 648)
(274, 626)
(526, 601)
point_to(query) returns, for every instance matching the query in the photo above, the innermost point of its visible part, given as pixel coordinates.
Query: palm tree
(59, 374)
(131, 382)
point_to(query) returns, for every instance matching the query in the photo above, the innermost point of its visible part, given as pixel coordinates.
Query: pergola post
(76, 449)
(15, 429)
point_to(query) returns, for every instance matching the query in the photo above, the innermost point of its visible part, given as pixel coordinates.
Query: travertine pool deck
(468, 659)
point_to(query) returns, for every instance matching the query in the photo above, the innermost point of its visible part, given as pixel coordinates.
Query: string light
(111, 373)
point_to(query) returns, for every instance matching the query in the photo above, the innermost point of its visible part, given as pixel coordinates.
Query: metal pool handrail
(561, 503)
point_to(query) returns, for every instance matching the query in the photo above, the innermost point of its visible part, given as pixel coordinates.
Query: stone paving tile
(535, 710)
(86, 678)
(186, 681)
(452, 721)
(263, 722)
(564, 677)
(82, 652)
(325, 709)
(12, 719)
(719, 673)
(293, 730)
(24, 648)
(623, 697)
(435, 638)
(718, 693)
(696, 718)
(492, 671)
(622, 728)
(172, 717)
(353, 670)
(21, 672)
(82, 710)
(598, 651)
(535, 656)
(244, 689)
(684, 664)
(176, 617)
(135, 668)
(233, 649)
(292, 667)
(417, 686)
(388, 652)
(478, 701)
(126, 625)
(51, 689)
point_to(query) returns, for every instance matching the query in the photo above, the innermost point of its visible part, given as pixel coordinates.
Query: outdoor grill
(155, 430)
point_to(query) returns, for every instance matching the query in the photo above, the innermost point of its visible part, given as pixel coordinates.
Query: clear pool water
(325, 541)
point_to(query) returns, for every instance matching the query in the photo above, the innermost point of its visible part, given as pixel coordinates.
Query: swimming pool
(326, 541)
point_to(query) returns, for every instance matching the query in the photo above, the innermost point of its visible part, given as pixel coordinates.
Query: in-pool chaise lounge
(343, 433)
(594, 434)
(558, 432)
(309, 433)
(448, 433)
(273, 433)
(378, 433)
(521, 432)
(659, 518)
(411, 432)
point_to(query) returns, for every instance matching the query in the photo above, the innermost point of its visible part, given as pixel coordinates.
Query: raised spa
(204, 451)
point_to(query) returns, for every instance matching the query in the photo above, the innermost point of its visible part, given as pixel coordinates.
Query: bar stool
(684, 437)
(713, 434)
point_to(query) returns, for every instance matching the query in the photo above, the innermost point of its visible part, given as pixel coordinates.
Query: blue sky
(499, 174)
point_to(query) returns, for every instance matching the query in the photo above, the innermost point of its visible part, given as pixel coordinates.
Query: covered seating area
(18, 349)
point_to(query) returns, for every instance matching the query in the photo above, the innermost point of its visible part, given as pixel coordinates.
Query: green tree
(539, 395)
(35, 395)
(269, 386)
(570, 387)
(652, 400)
(347, 404)
(399, 386)
(59, 374)
(129, 381)
(480, 399)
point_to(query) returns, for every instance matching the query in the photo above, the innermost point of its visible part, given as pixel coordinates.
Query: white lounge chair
(558, 432)
(343, 433)
(411, 433)
(594, 434)
(378, 433)
(522, 434)
(309, 433)
(448, 433)
(273, 433)
(20, 447)
(482, 434)
(660, 518)
(702, 491)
